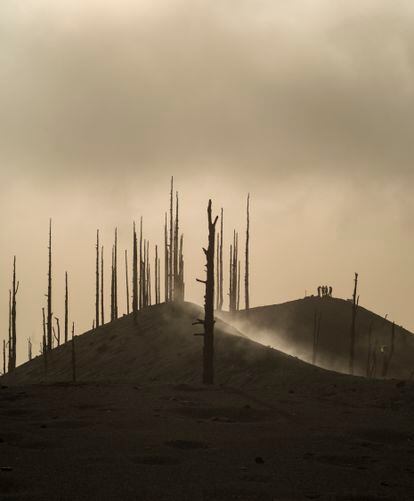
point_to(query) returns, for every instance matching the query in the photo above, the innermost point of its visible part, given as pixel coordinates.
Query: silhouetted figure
(319, 291)
(330, 291)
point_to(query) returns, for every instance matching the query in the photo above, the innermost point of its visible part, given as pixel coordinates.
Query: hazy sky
(307, 104)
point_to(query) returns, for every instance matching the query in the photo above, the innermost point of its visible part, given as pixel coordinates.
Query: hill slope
(289, 328)
(160, 347)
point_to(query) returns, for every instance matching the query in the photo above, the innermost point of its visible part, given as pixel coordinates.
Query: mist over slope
(289, 327)
(160, 346)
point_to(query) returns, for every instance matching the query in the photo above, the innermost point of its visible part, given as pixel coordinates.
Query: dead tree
(387, 356)
(317, 317)
(73, 354)
(4, 357)
(45, 347)
(369, 350)
(166, 259)
(355, 302)
(134, 270)
(171, 244)
(141, 267)
(102, 287)
(220, 284)
(112, 286)
(175, 251)
(49, 292)
(97, 281)
(10, 342)
(234, 274)
(29, 349)
(156, 262)
(66, 308)
(13, 340)
(217, 297)
(58, 331)
(116, 275)
(238, 286)
(246, 269)
(126, 280)
(208, 322)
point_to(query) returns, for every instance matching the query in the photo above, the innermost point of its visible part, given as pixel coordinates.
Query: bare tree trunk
(181, 270)
(171, 247)
(208, 322)
(217, 297)
(156, 275)
(10, 341)
(4, 356)
(73, 354)
(29, 349)
(66, 308)
(135, 272)
(116, 275)
(112, 287)
(58, 330)
(231, 279)
(49, 292)
(141, 274)
(45, 349)
(220, 285)
(166, 262)
(15, 288)
(175, 250)
(355, 301)
(126, 280)
(97, 281)
(102, 287)
(246, 271)
(238, 286)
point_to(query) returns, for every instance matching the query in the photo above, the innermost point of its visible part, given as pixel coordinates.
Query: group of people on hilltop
(324, 291)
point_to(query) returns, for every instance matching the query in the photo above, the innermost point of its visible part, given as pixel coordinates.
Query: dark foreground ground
(349, 439)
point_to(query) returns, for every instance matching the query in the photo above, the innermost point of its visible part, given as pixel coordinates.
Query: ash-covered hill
(289, 327)
(160, 346)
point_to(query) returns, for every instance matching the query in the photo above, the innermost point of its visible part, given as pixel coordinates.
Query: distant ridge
(289, 327)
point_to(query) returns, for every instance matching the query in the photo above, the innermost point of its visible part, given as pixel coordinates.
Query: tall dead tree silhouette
(175, 251)
(134, 270)
(126, 280)
(116, 274)
(220, 284)
(355, 302)
(49, 292)
(97, 312)
(57, 330)
(9, 342)
(29, 349)
(171, 244)
(4, 357)
(12, 317)
(45, 349)
(208, 322)
(102, 287)
(234, 281)
(141, 268)
(73, 353)
(246, 269)
(166, 262)
(66, 308)
(156, 264)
